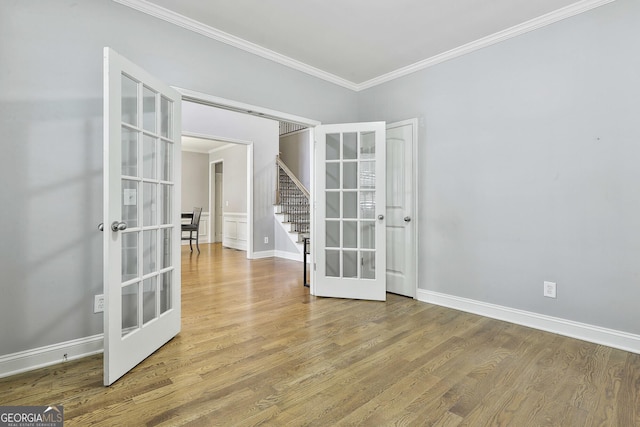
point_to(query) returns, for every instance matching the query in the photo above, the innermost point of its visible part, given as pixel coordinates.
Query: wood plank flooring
(256, 348)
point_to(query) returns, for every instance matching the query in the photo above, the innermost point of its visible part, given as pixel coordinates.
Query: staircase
(292, 205)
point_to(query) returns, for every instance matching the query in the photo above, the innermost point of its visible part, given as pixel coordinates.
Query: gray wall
(234, 177)
(528, 168)
(527, 158)
(195, 181)
(51, 125)
(295, 152)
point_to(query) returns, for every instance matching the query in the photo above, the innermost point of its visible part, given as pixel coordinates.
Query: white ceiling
(358, 43)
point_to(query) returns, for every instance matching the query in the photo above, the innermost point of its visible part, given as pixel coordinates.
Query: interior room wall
(263, 133)
(234, 177)
(195, 181)
(528, 168)
(51, 96)
(295, 152)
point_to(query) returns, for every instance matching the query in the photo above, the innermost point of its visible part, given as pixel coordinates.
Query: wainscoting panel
(234, 234)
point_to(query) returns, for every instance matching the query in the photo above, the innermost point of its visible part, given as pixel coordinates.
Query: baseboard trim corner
(263, 254)
(16, 363)
(582, 331)
(288, 255)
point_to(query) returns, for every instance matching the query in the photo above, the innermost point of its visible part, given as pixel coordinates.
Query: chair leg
(191, 240)
(198, 241)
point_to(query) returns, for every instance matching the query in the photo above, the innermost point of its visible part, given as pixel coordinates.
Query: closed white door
(141, 214)
(401, 207)
(349, 223)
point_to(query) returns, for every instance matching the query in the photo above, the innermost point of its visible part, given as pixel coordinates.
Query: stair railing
(293, 197)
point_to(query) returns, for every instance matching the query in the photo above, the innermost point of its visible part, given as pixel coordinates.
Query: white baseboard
(263, 254)
(288, 255)
(29, 360)
(582, 331)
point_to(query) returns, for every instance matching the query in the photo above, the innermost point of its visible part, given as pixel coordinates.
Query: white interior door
(349, 230)
(141, 215)
(400, 221)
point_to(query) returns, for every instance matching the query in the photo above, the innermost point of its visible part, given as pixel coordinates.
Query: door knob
(380, 217)
(118, 226)
(101, 226)
(407, 219)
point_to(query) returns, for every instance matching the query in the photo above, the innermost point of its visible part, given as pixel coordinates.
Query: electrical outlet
(98, 304)
(266, 239)
(549, 289)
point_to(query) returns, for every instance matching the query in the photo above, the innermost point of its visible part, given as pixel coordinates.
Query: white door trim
(249, 144)
(240, 107)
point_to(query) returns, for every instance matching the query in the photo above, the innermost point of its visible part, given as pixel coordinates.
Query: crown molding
(525, 27)
(223, 37)
(231, 40)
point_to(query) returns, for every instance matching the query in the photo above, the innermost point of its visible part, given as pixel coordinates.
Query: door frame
(213, 212)
(267, 113)
(249, 195)
(414, 194)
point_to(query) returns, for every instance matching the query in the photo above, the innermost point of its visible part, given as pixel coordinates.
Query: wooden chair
(193, 227)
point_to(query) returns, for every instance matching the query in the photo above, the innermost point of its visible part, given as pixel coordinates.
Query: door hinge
(314, 266)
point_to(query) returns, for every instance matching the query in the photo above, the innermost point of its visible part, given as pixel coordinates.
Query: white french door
(142, 121)
(349, 224)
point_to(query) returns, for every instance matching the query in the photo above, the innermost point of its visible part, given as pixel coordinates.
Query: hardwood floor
(256, 348)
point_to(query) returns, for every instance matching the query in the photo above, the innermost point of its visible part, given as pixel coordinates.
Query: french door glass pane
(333, 205)
(350, 234)
(368, 235)
(367, 145)
(129, 101)
(149, 212)
(367, 204)
(130, 203)
(165, 259)
(350, 174)
(165, 291)
(350, 263)
(149, 109)
(165, 203)
(129, 256)
(129, 152)
(333, 146)
(332, 266)
(368, 175)
(333, 176)
(350, 146)
(149, 239)
(166, 162)
(368, 265)
(333, 234)
(165, 116)
(130, 308)
(149, 157)
(350, 206)
(149, 299)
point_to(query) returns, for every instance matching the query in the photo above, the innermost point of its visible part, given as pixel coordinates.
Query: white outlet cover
(549, 289)
(98, 303)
